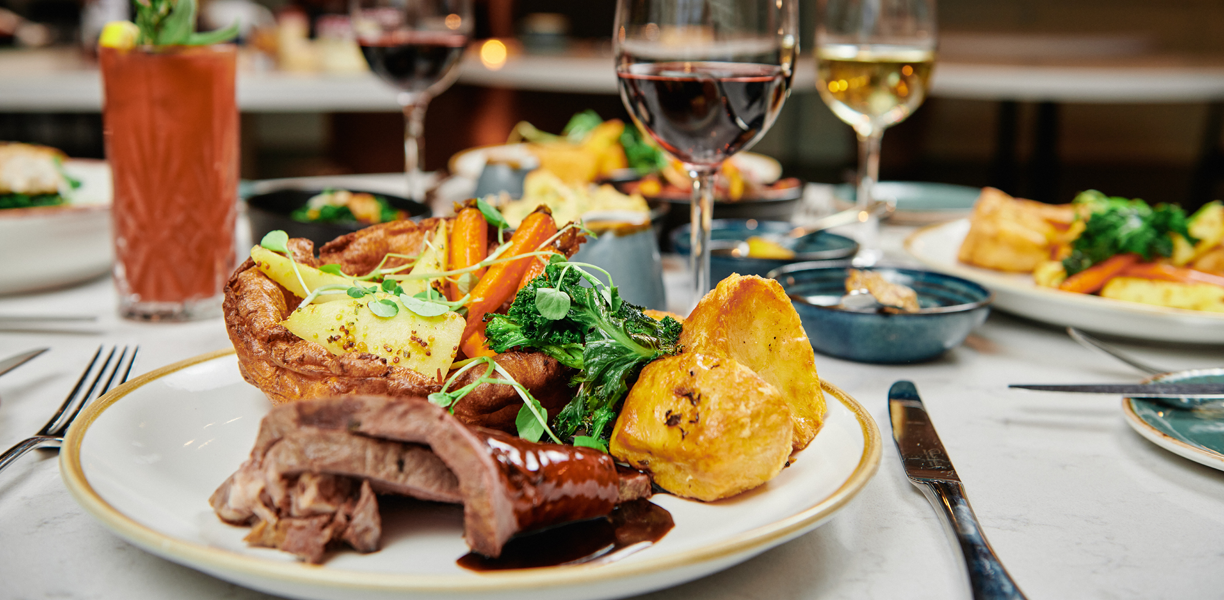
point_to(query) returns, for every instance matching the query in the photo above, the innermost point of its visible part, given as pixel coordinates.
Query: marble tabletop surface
(1075, 503)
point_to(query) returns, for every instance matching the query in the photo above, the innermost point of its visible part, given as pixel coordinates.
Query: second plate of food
(64, 244)
(335, 212)
(936, 246)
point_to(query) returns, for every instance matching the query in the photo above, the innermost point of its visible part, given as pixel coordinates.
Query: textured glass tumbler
(171, 128)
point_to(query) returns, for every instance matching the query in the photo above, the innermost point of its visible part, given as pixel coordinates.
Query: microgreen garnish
(552, 303)
(385, 308)
(532, 420)
(391, 287)
(276, 241)
(492, 215)
(423, 308)
(587, 441)
(333, 269)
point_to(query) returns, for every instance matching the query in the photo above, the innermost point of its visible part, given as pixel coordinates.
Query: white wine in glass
(873, 65)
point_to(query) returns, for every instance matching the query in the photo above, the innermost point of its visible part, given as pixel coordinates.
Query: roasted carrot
(469, 244)
(501, 280)
(534, 269)
(476, 345)
(1167, 272)
(1095, 277)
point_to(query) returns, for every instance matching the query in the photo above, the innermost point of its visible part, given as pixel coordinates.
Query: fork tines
(103, 378)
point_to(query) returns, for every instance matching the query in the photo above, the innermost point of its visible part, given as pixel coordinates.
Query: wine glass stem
(868, 175)
(414, 144)
(702, 206)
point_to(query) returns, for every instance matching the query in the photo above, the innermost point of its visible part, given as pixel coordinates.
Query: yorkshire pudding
(288, 368)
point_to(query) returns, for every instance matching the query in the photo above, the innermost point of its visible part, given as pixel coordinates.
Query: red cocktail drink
(171, 126)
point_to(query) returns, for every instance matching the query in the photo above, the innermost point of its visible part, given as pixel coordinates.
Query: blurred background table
(1029, 109)
(1076, 503)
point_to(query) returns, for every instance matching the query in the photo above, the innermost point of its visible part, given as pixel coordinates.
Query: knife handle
(987, 577)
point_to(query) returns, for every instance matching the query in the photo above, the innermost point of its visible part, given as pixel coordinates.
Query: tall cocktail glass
(171, 128)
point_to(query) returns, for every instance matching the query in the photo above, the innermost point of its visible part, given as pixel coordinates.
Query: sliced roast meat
(339, 509)
(633, 485)
(507, 485)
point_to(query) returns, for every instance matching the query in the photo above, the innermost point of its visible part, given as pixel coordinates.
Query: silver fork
(52, 434)
(1092, 343)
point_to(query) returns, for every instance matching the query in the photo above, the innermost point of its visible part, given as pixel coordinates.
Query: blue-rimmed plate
(1194, 434)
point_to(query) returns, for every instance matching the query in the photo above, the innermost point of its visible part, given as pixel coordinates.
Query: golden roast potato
(703, 426)
(1012, 234)
(750, 319)
(1189, 296)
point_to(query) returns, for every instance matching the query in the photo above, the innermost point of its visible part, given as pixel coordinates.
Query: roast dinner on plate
(1118, 248)
(453, 360)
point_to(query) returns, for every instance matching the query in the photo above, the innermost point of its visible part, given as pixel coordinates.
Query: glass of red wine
(704, 79)
(416, 46)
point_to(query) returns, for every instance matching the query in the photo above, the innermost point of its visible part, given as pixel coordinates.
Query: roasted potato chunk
(1211, 262)
(426, 345)
(1013, 234)
(1190, 296)
(704, 427)
(750, 319)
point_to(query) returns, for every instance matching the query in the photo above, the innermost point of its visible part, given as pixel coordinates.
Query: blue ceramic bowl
(951, 308)
(823, 246)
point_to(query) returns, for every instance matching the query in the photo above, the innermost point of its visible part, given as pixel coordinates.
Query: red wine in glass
(414, 61)
(703, 112)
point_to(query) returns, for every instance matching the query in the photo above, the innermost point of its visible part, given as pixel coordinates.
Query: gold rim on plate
(215, 560)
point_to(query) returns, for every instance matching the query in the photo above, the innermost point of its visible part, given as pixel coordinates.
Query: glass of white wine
(873, 63)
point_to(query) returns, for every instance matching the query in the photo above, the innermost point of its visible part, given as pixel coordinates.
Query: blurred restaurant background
(1142, 116)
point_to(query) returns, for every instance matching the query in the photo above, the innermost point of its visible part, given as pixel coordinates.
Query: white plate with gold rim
(144, 459)
(936, 246)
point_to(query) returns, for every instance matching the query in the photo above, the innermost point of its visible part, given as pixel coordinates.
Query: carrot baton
(469, 244)
(501, 281)
(476, 346)
(1167, 272)
(535, 269)
(1095, 277)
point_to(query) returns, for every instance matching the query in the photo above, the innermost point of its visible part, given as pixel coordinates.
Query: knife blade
(13, 362)
(1143, 390)
(928, 467)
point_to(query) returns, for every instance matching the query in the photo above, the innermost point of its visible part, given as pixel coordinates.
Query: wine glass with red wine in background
(416, 46)
(704, 79)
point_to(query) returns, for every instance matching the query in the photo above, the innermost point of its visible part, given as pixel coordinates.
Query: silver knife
(13, 362)
(1144, 390)
(928, 467)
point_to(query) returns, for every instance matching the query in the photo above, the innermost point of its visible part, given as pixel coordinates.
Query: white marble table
(1075, 503)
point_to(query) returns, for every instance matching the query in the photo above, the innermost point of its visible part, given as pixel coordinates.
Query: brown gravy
(632, 526)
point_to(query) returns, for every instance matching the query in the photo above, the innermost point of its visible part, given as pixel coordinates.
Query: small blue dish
(819, 247)
(951, 307)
